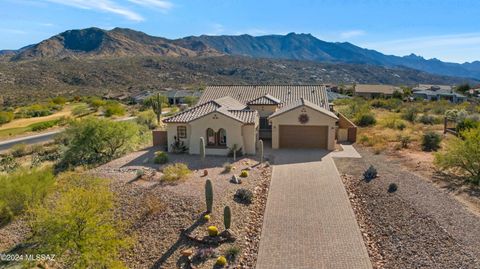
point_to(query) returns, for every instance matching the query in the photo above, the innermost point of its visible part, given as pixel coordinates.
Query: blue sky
(445, 29)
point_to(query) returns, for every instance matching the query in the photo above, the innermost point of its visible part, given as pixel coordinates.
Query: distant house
(437, 92)
(116, 96)
(142, 96)
(370, 91)
(176, 97)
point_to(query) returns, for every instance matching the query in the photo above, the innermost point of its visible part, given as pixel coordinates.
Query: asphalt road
(38, 138)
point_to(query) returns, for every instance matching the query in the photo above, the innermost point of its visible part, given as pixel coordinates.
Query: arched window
(211, 141)
(222, 137)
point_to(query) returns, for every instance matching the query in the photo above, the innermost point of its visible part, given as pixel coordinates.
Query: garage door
(295, 136)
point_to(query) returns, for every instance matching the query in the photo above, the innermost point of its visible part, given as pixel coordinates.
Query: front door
(265, 131)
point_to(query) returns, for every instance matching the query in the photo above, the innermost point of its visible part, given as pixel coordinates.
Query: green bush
(40, 126)
(36, 110)
(405, 141)
(113, 108)
(175, 172)
(6, 117)
(8, 164)
(462, 155)
(92, 141)
(427, 119)
(81, 109)
(147, 118)
(466, 124)
(96, 102)
(410, 114)
(23, 189)
(19, 150)
(59, 100)
(161, 157)
(365, 119)
(78, 224)
(431, 141)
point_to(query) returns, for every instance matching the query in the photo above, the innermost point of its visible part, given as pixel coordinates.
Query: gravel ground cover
(418, 226)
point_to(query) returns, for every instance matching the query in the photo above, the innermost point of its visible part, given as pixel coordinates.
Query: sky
(444, 29)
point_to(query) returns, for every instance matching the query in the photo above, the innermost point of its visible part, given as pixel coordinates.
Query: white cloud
(101, 5)
(352, 34)
(161, 4)
(454, 47)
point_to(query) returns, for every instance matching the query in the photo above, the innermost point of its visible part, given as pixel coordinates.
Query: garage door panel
(297, 136)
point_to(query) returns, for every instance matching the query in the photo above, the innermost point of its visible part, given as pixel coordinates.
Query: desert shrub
(364, 140)
(392, 187)
(394, 123)
(175, 172)
(113, 108)
(19, 150)
(80, 110)
(378, 103)
(410, 114)
(244, 173)
(427, 119)
(161, 157)
(96, 102)
(39, 126)
(462, 155)
(8, 163)
(212, 230)
(365, 119)
(227, 167)
(23, 189)
(397, 95)
(244, 196)
(466, 124)
(36, 110)
(93, 141)
(431, 141)
(232, 252)
(153, 204)
(370, 173)
(78, 224)
(147, 118)
(405, 141)
(400, 125)
(390, 104)
(59, 100)
(6, 117)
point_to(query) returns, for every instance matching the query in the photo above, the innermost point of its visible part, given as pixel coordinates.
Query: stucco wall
(249, 139)
(172, 132)
(315, 119)
(264, 110)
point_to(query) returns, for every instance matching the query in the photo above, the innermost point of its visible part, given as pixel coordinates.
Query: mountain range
(119, 42)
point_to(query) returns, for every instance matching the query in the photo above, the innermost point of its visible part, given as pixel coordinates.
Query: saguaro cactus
(156, 104)
(234, 152)
(260, 149)
(209, 195)
(202, 148)
(227, 217)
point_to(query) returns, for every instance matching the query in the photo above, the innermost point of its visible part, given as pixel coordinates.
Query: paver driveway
(308, 221)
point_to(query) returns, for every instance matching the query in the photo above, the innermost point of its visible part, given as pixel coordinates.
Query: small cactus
(370, 173)
(234, 152)
(244, 173)
(206, 217)
(227, 217)
(209, 195)
(221, 261)
(260, 149)
(202, 148)
(212, 231)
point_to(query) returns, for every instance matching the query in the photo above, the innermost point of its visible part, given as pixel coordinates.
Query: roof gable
(266, 99)
(302, 102)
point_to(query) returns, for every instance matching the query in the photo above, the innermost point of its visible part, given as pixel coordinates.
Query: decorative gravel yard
(161, 213)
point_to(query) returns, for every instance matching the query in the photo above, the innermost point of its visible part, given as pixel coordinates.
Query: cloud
(217, 29)
(12, 31)
(453, 47)
(351, 34)
(161, 4)
(104, 6)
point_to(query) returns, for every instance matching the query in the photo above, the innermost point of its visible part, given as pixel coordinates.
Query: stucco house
(437, 92)
(371, 91)
(289, 116)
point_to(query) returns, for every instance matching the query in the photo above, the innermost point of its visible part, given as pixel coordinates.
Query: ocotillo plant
(227, 217)
(260, 149)
(209, 195)
(202, 148)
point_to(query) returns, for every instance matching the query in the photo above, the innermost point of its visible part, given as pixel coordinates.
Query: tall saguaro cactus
(227, 217)
(202, 148)
(260, 149)
(156, 104)
(209, 195)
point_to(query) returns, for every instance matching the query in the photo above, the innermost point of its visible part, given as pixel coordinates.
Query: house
(289, 116)
(140, 97)
(437, 92)
(176, 97)
(371, 91)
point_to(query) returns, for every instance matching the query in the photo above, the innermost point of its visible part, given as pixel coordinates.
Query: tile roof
(316, 94)
(303, 102)
(266, 99)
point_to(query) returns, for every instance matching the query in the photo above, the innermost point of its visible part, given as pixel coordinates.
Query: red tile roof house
(240, 115)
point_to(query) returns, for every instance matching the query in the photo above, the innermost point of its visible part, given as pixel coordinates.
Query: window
(222, 137)
(182, 132)
(211, 141)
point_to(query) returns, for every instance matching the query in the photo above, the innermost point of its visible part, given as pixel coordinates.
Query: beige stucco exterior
(243, 135)
(316, 118)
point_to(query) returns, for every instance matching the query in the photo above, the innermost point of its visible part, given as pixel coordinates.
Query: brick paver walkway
(308, 221)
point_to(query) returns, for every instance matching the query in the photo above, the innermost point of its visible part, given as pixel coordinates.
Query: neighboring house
(140, 97)
(437, 92)
(370, 91)
(176, 97)
(291, 116)
(117, 96)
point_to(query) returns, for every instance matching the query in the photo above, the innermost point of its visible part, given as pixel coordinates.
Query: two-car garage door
(300, 136)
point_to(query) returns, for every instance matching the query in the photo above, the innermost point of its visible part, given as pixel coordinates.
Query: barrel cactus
(227, 217)
(209, 195)
(212, 231)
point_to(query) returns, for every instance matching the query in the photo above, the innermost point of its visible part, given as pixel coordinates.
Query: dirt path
(419, 225)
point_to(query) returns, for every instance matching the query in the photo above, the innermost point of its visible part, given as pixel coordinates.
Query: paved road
(38, 138)
(309, 222)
